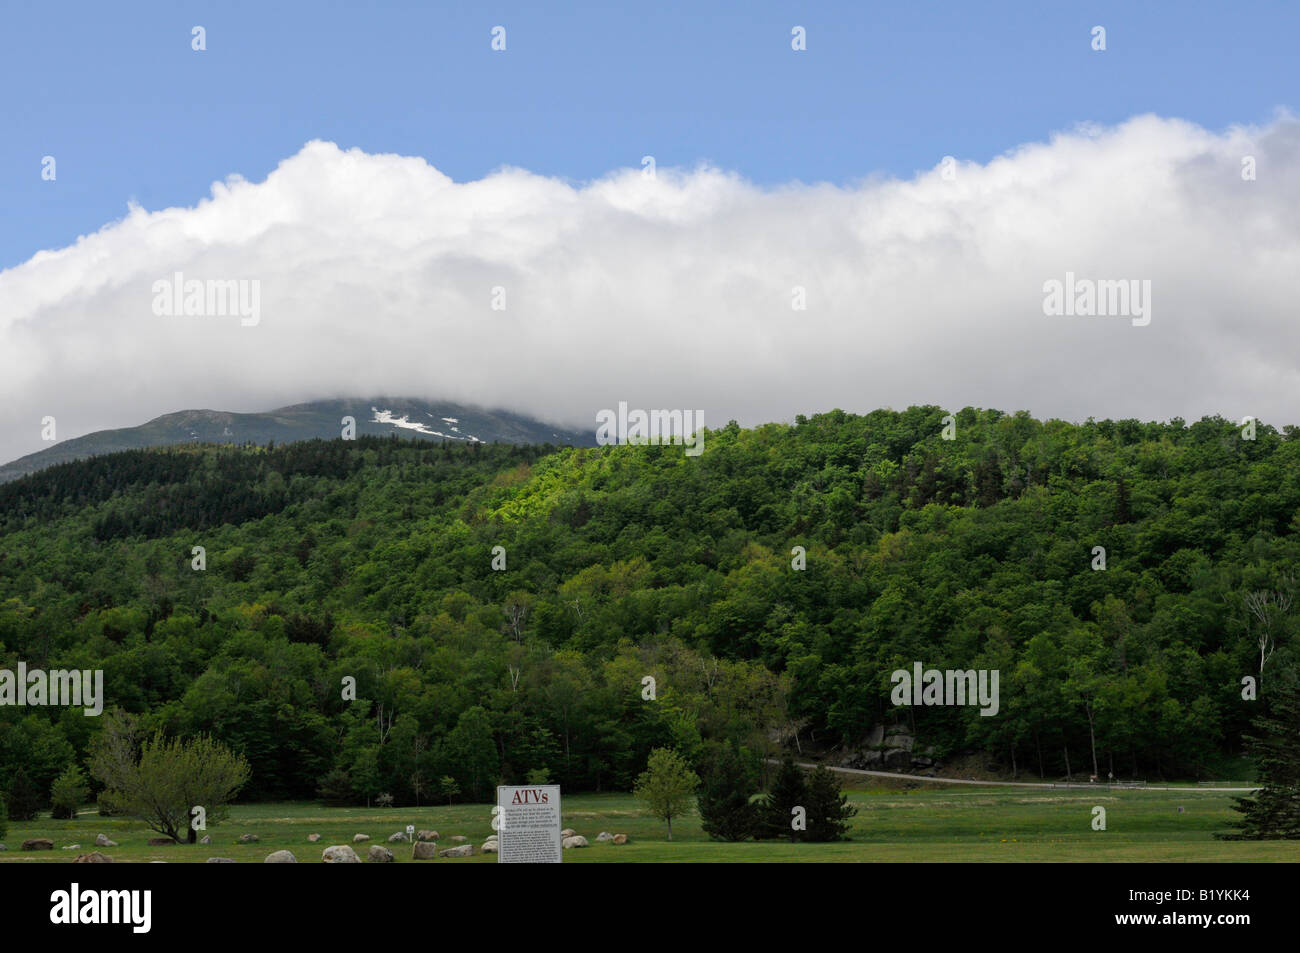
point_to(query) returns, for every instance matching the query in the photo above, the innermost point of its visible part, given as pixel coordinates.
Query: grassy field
(993, 824)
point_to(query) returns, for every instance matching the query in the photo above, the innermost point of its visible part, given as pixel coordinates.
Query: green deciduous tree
(161, 781)
(667, 785)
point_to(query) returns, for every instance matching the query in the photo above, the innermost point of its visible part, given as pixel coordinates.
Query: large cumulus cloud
(377, 275)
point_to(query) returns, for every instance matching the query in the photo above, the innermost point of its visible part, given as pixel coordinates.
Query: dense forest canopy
(373, 560)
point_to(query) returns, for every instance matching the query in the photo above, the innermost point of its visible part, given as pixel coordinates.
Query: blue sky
(131, 113)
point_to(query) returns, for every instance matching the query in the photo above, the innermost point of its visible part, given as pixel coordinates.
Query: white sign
(527, 822)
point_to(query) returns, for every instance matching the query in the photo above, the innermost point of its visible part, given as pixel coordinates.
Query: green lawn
(892, 825)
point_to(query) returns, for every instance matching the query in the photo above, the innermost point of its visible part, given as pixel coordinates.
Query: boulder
(218, 860)
(577, 840)
(464, 850)
(340, 854)
(568, 832)
(424, 850)
(3, 847)
(101, 840)
(620, 838)
(380, 855)
(898, 758)
(313, 838)
(604, 836)
(280, 857)
(459, 839)
(37, 843)
(71, 847)
(426, 835)
(205, 839)
(903, 741)
(399, 837)
(360, 838)
(248, 838)
(489, 847)
(94, 857)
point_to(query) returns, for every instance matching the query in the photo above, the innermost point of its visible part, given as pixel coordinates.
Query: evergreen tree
(25, 801)
(1273, 813)
(789, 791)
(69, 793)
(726, 812)
(829, 810)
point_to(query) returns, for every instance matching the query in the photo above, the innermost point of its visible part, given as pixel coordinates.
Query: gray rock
(280, 857)
(101, 840)
(459, 839)
(577, 840)
(313, 838)
(568, 832)
(424, 850)
(604, 836)
(3, 847)
(71, 847)
(426, 835)
(620, 838)
(399, 837)
(248, 838)
(37, 843)
(218, 860)
(464, 850)
(205, 839)
(379, 855)
(360, 838)
(94, 857)
(340, 854)
(489, 847)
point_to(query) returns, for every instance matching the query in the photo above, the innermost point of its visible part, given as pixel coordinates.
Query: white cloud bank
(377, 275)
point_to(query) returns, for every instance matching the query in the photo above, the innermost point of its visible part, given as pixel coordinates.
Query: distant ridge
(406, 417)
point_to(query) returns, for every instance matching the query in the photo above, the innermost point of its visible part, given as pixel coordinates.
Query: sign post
(528, 825)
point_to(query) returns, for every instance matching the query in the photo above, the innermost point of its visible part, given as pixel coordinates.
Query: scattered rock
(248, 838)
(489, 847)
(459, 839)
(340, 854)
(101, 840)
(360, 838)
(3, 847)
(94, 857)
(313, 838)
(620, 838)
(37, 843)
(568, 832)
(218, 860)
(205, 839)
(604, 836)
(426, 835)
(71, 847)
(464, 850)
(424, 850)
(399, 837)
(380, 855)
(280, 857)
(577, 840)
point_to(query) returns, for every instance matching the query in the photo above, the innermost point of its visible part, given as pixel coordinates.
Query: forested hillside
(373, 559)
